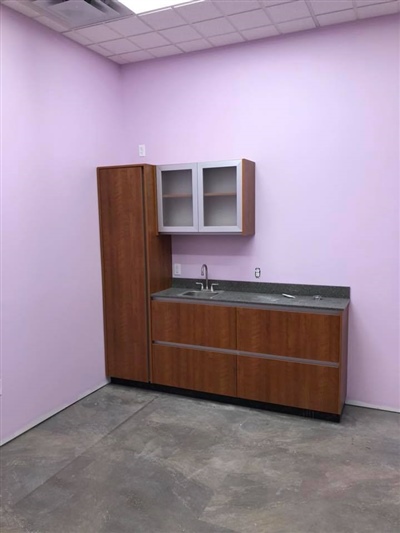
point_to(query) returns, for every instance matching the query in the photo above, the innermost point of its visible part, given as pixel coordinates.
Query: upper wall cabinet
(214, 197)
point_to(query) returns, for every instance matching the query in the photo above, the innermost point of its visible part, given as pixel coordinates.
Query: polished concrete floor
(125, 460)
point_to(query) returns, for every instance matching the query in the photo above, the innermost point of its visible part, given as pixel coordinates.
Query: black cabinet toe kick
(307, 413)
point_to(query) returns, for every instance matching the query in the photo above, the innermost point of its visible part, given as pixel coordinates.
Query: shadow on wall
(215, 245)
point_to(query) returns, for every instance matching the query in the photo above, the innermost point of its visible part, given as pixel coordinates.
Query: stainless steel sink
(207, 295)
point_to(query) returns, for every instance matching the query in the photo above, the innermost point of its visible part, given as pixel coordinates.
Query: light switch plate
(177, 269)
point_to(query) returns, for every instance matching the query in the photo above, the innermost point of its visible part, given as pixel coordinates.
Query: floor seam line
(80, 455)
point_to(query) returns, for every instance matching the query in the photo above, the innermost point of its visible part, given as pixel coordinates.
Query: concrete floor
(126, 460)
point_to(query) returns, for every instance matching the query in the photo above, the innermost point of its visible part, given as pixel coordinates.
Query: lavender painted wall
(319, 114)
(61, 117)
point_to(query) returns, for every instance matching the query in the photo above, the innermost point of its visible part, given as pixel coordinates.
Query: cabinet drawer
(198, 370)
(307, 386)
(303, 335)
(199, 325)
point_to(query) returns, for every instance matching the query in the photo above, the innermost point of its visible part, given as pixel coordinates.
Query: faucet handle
(201, 285)
(214, 285)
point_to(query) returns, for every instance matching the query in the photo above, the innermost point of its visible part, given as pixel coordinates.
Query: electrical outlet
(177, 269)
(142, 150)
(257, 272)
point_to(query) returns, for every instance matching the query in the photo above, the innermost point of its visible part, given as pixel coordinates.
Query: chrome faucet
(204, 272)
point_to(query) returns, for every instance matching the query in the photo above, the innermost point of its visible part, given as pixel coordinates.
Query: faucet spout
(204, 272)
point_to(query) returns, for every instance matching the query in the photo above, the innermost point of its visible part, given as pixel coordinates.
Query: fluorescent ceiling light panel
(144, 6)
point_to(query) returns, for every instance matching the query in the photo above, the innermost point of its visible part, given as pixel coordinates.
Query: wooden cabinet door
(123, 263)
(198, 370)
(292, 334)
(306, 386)
(212, 326)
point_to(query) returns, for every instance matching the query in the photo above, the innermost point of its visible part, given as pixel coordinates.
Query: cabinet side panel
(344, 333)
(158, 250)
(158, 247)
(249, 197)
(203, 371)
(198, 325)
(292, 384)
(123, 265)
(303, 335)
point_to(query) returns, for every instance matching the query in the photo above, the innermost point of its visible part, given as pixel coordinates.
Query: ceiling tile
(227, 38)
(164, 51)
(150, 40)
(329, 6)
(133, 57)
(260, 33)
(289, 11)
(198, 11)
(119, 59)
(193, 46)
(378, 10)
(337, 17)
(214, 27)
(251, 19)
(100, 50)
(98, 33)
(297, 25)
(181, 34)
(120, 46)
(23, 7)
(362, 3)
(160, 20)
(269, 3)
(229, 7)
(50, 23)
(129, 26)
(76, 37)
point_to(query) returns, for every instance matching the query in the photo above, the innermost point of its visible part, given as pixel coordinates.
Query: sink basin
(201, 294)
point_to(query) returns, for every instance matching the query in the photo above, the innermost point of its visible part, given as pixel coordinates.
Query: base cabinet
(295, 359)
(306, 386)
(197, 370)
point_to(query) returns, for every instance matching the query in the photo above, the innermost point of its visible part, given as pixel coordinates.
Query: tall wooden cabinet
(136, 261)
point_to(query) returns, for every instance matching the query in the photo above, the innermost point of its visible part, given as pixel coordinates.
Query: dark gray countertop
(269, 298)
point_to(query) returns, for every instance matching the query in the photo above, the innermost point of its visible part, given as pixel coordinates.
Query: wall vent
(78, 13)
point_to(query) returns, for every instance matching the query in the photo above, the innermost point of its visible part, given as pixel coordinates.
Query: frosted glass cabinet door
(220, 196)
(177, 198)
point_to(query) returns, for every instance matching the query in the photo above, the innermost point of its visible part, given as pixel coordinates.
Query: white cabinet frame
(224, 200)
(163, 227)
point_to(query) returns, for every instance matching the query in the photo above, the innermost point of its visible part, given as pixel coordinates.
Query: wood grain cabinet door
(291, 334)
(199, 370)
(306, 386)
(212, 326)
(123, 261)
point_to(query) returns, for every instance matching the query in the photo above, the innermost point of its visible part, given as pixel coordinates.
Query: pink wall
(61, 117)
(319, 114)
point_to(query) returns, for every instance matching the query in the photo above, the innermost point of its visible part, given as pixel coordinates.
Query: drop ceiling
(198, 25)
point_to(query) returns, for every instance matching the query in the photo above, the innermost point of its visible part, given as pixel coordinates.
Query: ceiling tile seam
(222, 15)
(355, 7)
(154, 31)
(290, 20)
(253, 27)
(271, 18)
(236, 28)
(313, 15)
(192, 40)
(260, 6)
